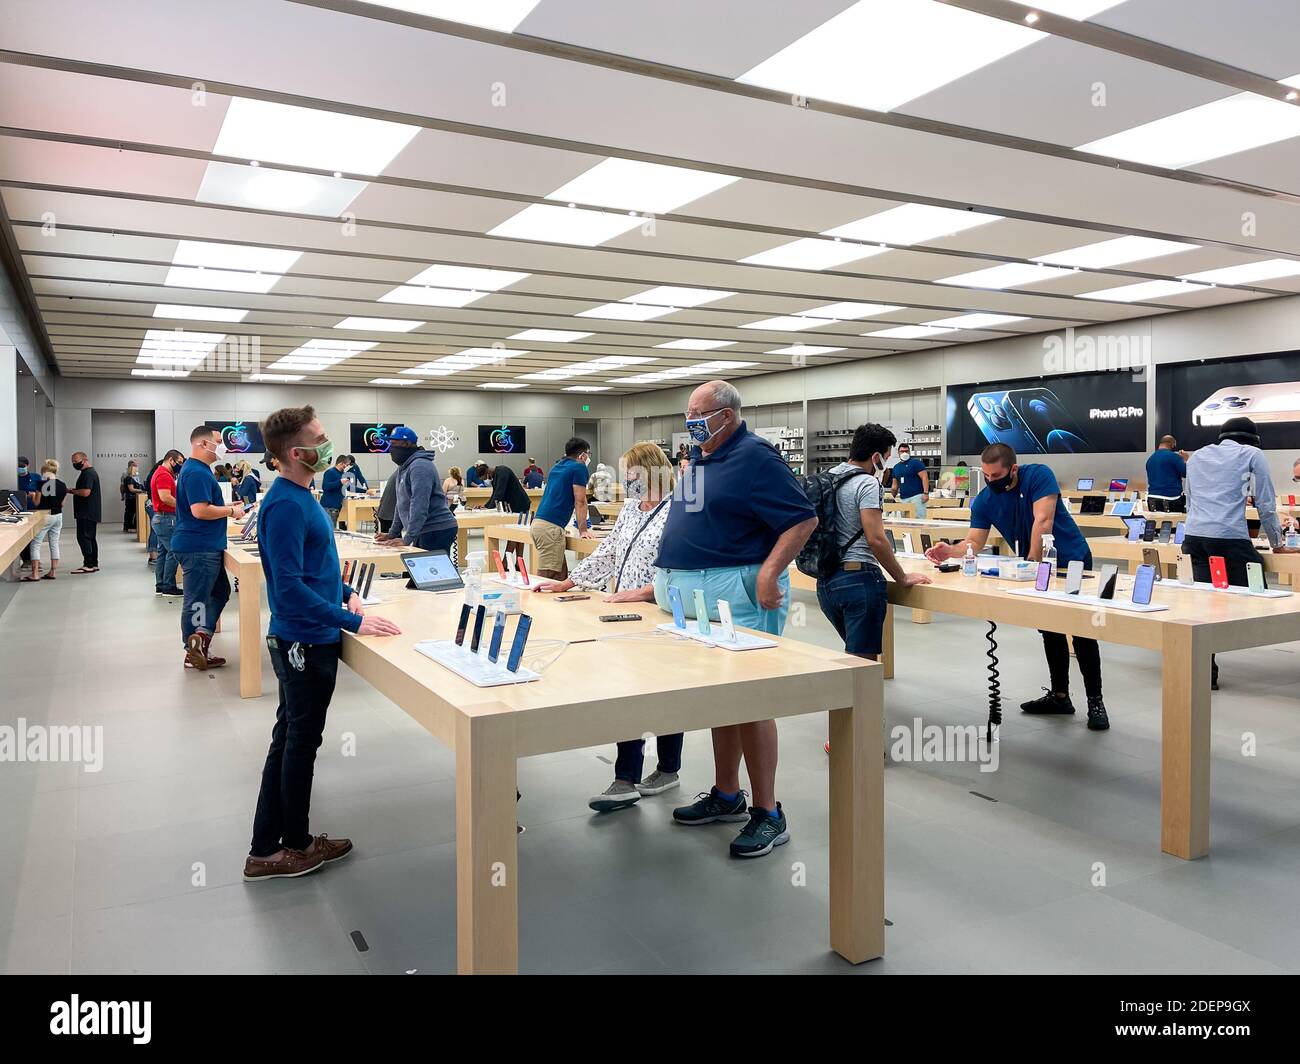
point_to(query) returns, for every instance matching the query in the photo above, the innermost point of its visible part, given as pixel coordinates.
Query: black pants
(384, 524)
(1167, 506)
(1235, 552)
(128, 514)
(306, 674)
(87, 530)
(1088, 654)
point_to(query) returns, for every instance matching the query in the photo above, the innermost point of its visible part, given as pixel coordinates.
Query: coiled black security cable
(995, 686)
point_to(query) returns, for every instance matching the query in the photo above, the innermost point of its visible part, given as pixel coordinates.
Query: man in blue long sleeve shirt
(310, 607)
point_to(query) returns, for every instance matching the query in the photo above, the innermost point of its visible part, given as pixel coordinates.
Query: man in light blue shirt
(1220, 479)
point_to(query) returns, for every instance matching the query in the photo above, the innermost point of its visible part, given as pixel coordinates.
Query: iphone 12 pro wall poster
(1194, 399)
(1081, 413)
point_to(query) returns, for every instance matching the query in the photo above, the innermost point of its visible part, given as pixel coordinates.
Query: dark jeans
(440, 540)
(1167, 506)
(164, 568)
(627, 766)
(128, 514)
(384, 523)
(284, 802)
(87, 530)
(1086, 652)
(1235, 552)
(207, 590)
(855, 602)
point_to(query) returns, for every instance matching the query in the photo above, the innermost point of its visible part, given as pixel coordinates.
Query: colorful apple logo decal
(376, 439)
(501, 440)
(235, 438)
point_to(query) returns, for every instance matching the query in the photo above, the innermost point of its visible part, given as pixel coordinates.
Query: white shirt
(599, 568)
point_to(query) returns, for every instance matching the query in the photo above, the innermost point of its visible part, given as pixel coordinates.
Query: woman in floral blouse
(625, 559)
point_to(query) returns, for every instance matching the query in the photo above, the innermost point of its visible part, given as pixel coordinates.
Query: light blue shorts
(919, 502)
(736, 584)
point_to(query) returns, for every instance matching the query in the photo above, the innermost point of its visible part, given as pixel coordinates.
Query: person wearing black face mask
(1023, 502)
(421, 517)
(87, 509)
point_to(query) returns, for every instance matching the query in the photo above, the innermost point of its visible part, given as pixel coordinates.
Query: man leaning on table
(736, 521)
(310, 607)
(1220, 479)
(1023, 502)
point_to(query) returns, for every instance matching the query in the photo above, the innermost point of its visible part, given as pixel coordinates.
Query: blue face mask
(22, 470)
(698, 427)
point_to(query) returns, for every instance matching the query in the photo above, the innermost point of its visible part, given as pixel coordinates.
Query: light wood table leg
(887, 642)
(922, 617)
(487, 868)
(462, 546)
(1185, 745)
(250, 632)
(857, 822)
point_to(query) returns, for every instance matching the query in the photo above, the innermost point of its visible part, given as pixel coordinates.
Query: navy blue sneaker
(710, 808)
(762, 834)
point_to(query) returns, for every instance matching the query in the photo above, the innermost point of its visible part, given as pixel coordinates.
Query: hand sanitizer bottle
(968, 566)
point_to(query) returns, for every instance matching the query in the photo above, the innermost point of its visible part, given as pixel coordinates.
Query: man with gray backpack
(850, 546)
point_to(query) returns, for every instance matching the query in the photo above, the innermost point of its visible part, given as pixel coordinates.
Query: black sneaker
(170, 592)
(1097, 719)
(1048, 703)
(709, 809)
(761, 834)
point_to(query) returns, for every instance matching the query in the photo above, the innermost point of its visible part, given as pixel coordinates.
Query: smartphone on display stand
(907, 543)
(1184, 569)
(498, 630)
(1255, 577)
(479, 613)
(572, 598)
(462, 624)
(521, 641)
(1106, 581)
(679, 610)
(1143, 581)
(1043, 579)
(1151, 557)
(1149, 532)
(926, 542)
(1135, 528)
(1166, 532)
(1180, 532)
(1218, 572)
(1074, 577)
(724, 619)
(701, 612)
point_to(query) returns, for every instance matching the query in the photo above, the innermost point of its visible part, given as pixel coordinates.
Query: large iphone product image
(679, 610)
(498, 630)
(1151, 557)
(1218, 571)
(1180, 532)
(1106, 581)
(1029, 420)
(479, 613)
(462, 624)
(701, 612)
(1255, 577)
(1074, 577)
(1184, 569)
(521, 641)
(1043, 578)
(1143, 581)
(1260, 402)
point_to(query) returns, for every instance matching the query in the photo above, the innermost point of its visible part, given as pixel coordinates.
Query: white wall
(178, 406)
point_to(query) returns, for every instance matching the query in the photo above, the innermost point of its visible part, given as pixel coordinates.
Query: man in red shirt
(162, 491)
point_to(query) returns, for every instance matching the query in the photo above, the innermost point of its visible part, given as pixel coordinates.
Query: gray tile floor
(137, 868)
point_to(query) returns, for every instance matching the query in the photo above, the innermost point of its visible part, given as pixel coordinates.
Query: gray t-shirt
(856, 494)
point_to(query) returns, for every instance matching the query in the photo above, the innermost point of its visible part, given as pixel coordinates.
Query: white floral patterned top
(599, 568)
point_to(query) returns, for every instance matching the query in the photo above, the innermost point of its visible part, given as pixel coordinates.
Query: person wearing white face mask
(911, 480)
(199, 543)
(564, 498)
(625, 560)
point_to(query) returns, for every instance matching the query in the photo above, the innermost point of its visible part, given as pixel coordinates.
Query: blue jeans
(737, 584)
(164, 569)
(153, 540)
(628, 764)
(855, 603)
(207, 590)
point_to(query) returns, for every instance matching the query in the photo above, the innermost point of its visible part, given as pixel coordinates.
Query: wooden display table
(659, 684)
(13, 538)
(359, 508)
(1118, 548)
(484, 519)
(476, 497)
(501, 536)
(141, 518)
(245, 566)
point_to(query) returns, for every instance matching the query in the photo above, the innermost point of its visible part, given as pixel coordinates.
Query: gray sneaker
(657, 782)
(618, 795)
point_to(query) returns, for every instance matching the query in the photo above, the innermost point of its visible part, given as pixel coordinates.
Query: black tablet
(432, 570)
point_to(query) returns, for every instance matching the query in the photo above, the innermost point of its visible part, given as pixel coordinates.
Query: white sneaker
(657, 782)
(618, 795)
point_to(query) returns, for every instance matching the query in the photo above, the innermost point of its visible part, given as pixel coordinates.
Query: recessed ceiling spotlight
(1292, 94)
(1032, 17)
(253, 162)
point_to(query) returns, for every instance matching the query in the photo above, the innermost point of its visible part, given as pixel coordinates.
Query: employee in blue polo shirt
(27, 482)
(1023, 502)
(565, 495)
(199, 543)
(310, 607)
(736, 521)
(910, 478)
(331, 489)
(1166, 471)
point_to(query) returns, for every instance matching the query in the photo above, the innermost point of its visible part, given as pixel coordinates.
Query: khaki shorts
(548, 539)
